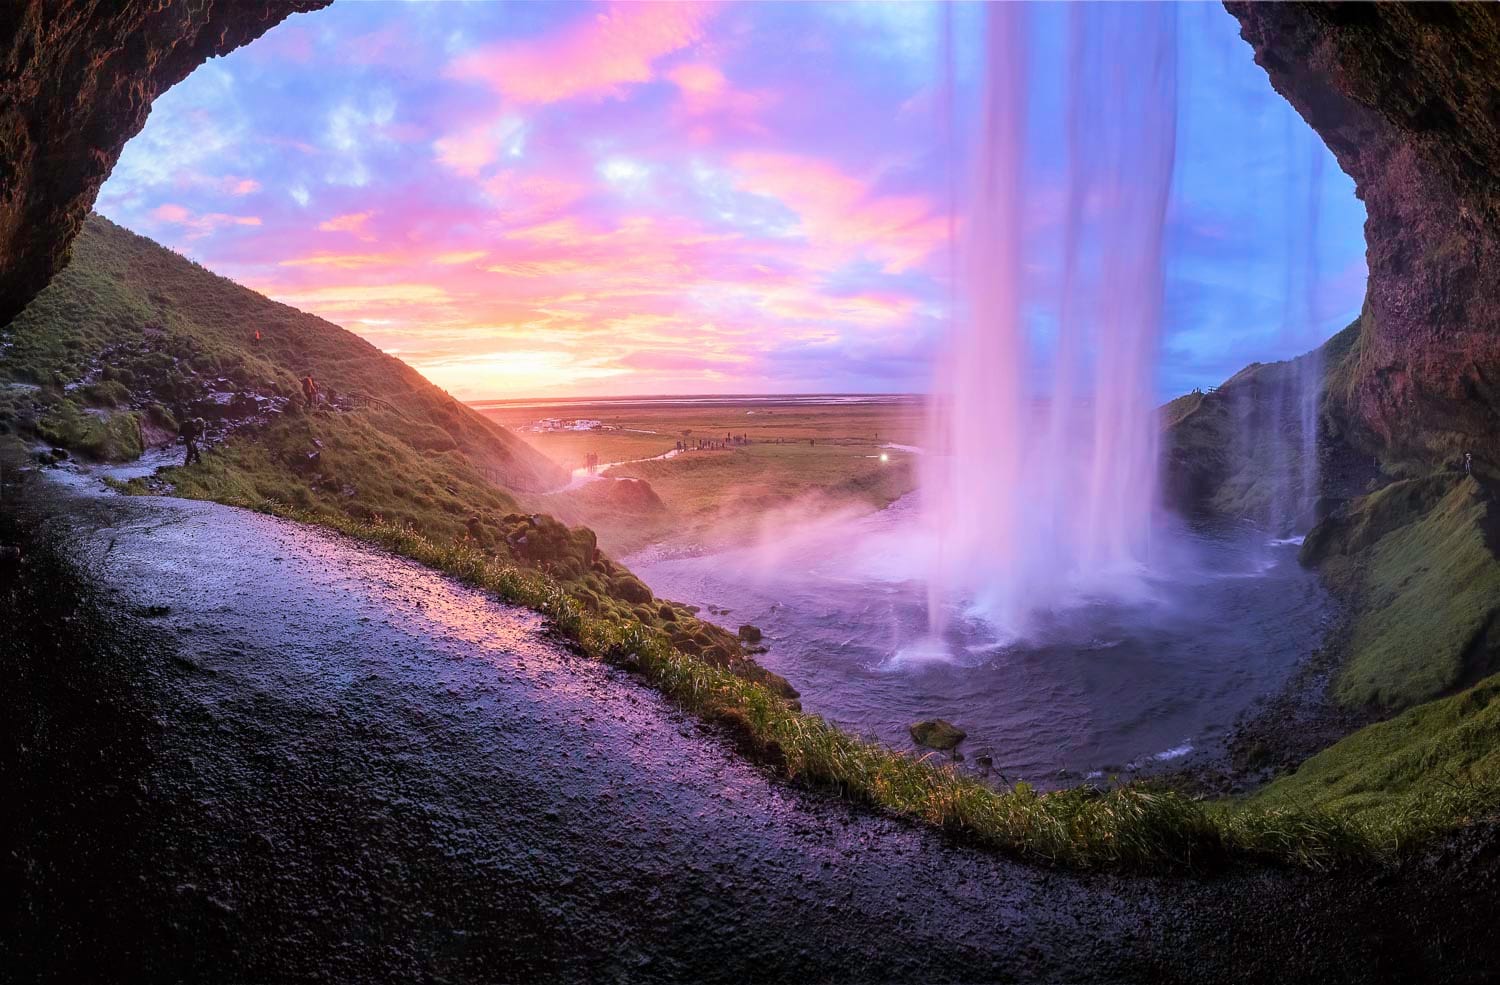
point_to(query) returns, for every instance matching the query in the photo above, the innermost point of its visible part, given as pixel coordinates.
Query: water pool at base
(1097, 685)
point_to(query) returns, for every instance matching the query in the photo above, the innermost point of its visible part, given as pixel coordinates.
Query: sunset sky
(528, 199)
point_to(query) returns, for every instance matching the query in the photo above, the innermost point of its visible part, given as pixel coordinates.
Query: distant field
(798, 451)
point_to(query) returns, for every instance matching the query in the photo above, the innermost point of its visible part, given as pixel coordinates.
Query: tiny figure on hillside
(309, 391)
(191, 430)
(1468, 463)
(256, 338)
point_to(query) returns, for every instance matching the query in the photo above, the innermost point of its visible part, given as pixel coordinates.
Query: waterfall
(1042, 481)
(1276, 405)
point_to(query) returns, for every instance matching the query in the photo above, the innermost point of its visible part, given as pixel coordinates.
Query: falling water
(1042, 485)
(1310, 366)
(1276, 405)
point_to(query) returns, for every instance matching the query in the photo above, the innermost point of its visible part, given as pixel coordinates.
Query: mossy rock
(631, 589)
(937, 733)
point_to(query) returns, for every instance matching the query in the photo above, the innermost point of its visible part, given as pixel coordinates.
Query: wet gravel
(319, 762)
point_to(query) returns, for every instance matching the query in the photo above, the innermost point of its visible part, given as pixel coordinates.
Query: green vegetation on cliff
(1428, 590)
(128, 321)
(1418, 560)
(1417, 563)
(1229, 450)
(131, 337)
(1432, 767)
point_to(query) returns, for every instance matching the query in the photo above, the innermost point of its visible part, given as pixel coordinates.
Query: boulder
(937, 733)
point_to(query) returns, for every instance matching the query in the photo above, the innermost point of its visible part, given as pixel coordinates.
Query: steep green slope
(131, 338)
(130, 313)
(1415, 556)
(1433, 766)
(1228, 450)
(1418, 562)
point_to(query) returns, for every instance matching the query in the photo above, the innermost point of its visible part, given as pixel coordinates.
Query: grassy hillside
(1228, 451)
(1418, 561)
(131, 338)
(132, 328)
(1430, 767)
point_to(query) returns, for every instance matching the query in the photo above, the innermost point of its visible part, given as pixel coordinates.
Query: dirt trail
(354, 768)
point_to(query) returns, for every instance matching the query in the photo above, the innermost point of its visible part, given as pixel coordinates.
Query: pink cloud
(229, 184)
(343, 261)
(530, 198)
(353, 222)
(467, 151)
(200, 224)
(708, 98)
(656, 359)
(843, 213)
(456, 257)
(594, 58)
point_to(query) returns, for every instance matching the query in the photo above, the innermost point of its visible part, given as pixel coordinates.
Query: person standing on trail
(256, 337)
(1468, 463)
(191, 430)
(309, 391)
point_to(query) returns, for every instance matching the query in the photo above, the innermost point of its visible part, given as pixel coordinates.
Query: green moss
(100, 435)
(1417, 560)
(1432, 767)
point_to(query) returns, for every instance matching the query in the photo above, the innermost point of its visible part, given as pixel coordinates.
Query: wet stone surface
(365, 767)
(320, 762)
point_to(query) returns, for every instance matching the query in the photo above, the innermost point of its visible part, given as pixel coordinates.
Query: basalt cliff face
(1407, 96)
(77, 78)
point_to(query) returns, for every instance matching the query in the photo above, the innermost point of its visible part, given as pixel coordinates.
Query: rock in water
(937, 733)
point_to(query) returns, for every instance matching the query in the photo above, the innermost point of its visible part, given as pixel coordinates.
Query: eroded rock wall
(77, 78)
(1407, 96)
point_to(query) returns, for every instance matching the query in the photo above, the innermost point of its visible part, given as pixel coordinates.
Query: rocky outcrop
(77, 78)
(1407, 96)
(1243, 449)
